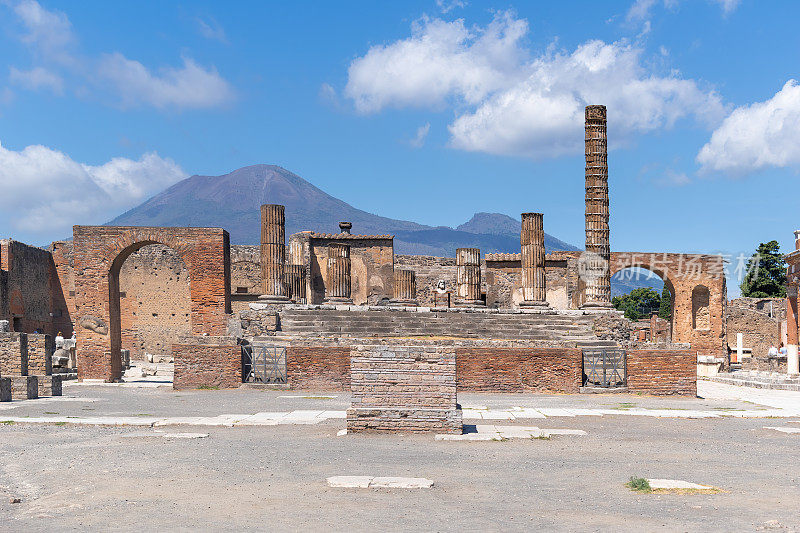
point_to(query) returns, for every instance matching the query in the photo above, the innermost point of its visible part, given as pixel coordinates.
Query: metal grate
(604, 367)
(264, 363)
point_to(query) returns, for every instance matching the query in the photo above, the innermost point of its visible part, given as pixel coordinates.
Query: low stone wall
(403, 388)
(765, 364)
(524, 369)
(49, 385)
(318, 367)
(258, 323)
(662, 372)
(207, 362)
(13, 354)
(24, 387)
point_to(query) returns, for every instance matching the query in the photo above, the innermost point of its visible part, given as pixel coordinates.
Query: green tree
(665, 309)
(638, 303)
(766, 273)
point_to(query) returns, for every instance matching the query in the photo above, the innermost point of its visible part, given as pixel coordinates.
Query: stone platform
(759, 380)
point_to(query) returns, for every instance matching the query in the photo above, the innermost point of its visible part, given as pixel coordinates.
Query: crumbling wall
(154, 300)
(29, 281)
(758, 330)
(428, 271)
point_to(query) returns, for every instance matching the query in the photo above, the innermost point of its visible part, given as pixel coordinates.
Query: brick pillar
(273, 253)
(338, 286)
(296, 283)
(405, 288)
(595, 262)
(534, 284)
(468, 277)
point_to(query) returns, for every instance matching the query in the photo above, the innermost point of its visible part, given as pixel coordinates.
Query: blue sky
(428, 111)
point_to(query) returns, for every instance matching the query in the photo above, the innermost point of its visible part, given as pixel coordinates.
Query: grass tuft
(639, 484)
(208, 387)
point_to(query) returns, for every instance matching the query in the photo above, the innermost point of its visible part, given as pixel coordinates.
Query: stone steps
(573, 330)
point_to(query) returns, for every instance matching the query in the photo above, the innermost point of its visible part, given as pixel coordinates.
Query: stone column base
(49, 385)
(600, 306)
(337, 300)
(396, 419)
(24, 387)
(5, 389)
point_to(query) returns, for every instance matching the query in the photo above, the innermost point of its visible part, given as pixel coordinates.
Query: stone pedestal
(792, 360)
(24, 387)
(468, 277)
(594, 264)
(403, 388)
(338, 286)
(296, 283)
(273, 253)
(534, 282)
(405, 288)
(5, 389)
(49, 385)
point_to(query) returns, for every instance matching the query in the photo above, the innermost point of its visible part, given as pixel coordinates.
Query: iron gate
(264, 364)
(604, 367)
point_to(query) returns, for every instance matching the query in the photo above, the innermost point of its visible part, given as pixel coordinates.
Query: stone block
(50, 385)
(13, 354)
(5, 389)
(24, 387)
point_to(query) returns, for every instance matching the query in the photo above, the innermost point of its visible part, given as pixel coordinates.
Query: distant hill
(232, 201)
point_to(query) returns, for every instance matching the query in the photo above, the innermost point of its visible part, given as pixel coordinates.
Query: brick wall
(403, 388)
(13, 354)
(523, 369)
(318, 367)
(758, 330)
(100, 252)
(40, 354)
(662, 372)
(207, 361)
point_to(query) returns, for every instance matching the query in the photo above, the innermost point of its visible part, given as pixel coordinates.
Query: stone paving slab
(386, 482)
(485, 432)
(783, 430)
(672, 484)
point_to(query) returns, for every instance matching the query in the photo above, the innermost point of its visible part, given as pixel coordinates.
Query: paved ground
(258, 477)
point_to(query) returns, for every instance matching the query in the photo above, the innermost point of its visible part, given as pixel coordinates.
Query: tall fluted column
(594, 264)
(405, 288)
(338, 287)
(273, 253)
(534, 283)
(468, 277)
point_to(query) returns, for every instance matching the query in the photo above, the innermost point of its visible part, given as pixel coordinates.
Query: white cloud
(419, 138)
(440, 59)
(191, 86)
(50, 32)
(45, 191)
(728, 6)
(211, 29)
(509, 104)
(446, 6)
(37, 78)
(757, 136)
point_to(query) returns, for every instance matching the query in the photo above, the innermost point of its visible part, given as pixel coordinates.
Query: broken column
(468, 277)
(295, 283)
(594, 263)
(338, 286)
(405, 288)
(534, 283)
(273, 253)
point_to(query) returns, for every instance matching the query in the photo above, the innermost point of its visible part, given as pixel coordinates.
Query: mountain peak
(232, 201)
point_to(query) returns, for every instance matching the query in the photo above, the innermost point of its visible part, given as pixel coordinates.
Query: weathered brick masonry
(318, 367)
(523, 369)
(49, 385)
(207, 361)
(100, 251)
(40, 354)
(24, 387)
(662, 372)
(403, 388)
(13, 354)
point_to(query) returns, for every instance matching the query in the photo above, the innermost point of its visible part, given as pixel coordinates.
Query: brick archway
(683, 273)
(100, 251)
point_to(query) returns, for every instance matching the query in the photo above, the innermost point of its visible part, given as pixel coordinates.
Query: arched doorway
(647, 299)
(100, 252)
